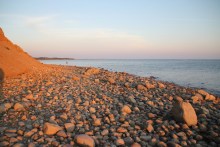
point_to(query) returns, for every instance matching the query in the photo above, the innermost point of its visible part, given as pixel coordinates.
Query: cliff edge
(13, 60)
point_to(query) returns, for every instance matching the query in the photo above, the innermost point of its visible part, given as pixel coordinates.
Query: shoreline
(56, 105)
(187, 85)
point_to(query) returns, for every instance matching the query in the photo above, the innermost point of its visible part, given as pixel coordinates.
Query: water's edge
(195, 74)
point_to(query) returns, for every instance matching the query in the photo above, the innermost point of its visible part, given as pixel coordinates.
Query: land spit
(78, 106)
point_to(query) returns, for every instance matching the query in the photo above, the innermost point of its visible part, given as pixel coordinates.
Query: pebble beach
(84, 106)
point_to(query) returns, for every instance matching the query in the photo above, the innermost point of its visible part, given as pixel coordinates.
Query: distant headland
(53, 58)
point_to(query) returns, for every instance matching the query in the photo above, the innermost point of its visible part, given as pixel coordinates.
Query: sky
(114, 29)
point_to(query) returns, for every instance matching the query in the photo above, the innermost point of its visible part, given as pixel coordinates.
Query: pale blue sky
(114, 29)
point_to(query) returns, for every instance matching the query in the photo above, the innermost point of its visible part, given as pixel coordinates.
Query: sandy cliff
(13, 60)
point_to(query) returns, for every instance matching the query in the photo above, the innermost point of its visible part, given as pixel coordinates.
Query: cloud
(37, 22)
(33, 22)
(53, 34)
(96, 38)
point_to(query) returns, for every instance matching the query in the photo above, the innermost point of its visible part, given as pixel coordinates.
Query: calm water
(190, 73)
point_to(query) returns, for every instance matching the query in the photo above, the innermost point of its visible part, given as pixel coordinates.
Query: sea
(204, 74)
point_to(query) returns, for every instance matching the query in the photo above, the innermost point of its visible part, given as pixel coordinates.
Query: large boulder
(84, 140)
(184, 112)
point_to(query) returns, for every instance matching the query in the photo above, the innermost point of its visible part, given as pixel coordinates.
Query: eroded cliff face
(13, 60)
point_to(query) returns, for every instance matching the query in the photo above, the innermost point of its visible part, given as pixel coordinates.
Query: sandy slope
(13, 60)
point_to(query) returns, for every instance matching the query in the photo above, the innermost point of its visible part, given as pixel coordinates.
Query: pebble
(120, 142)
(92, 110)
(149, 128)
(135, 145)
(84, 140)
(126, 109)
(105, 132)
(19, 107)
(145, 138)
(141, 87)
(51, 129)
(4, 143)
(121, 130)
(19, 145)
(69, 127)
(107, 108)
(61, 134)
(97, 122)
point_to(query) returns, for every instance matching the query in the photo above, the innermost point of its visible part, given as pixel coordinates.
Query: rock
(195, 99)
(181, 134)
(127, 85)
(149, 128)
(13, 140)
(11, 134)
(105, 132)
(199, 137)
(86, 103)
(51, 129)
(97, 122)
(141, 87)
(200, 97)
(121, 130)
(203, 92)
(7, 106)
(131, 99)
(145, 138)
(19, 145)
(135, 145)
(111, 80)
(202, 128)
(210, 97)
(120, 142)
(125, 109)
(128, 140)
(161, 85)
(64, 116)
(49, 83)
(184, 112)
(92, 71)
(2, 108)
(151, 115)
(69, 127)
(61, 134)
(150, 86)
(84, 140)
(19, 107)
(31, 144)
(30, 97)
(161, 144)
(172, 144)
(30, 133)
(75, 78)
(96, 80)
(92, 110)
(11, 130)
(4, 143)
(55, 143)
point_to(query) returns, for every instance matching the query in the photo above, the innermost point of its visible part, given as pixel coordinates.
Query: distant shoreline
(53, 58)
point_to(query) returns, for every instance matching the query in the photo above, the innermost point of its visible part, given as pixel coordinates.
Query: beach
(84, 106)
